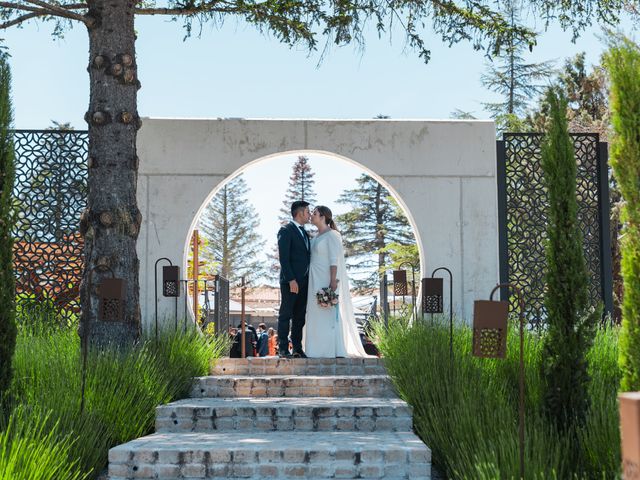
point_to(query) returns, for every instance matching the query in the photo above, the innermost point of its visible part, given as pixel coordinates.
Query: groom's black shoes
(299, 354)
(284, 354)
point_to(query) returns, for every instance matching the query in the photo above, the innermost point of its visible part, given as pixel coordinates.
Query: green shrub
(623, 63)
(570, 326)
(122, 391)
(467, 413)
(600, 436)
(31, 448)
(7, 280)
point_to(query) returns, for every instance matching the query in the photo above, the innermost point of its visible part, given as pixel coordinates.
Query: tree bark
(111, 222)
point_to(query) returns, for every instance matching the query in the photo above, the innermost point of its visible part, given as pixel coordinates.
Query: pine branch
(43, 9)
(60, 11)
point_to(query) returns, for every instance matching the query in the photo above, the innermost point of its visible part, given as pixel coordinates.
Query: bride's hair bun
(328, 216)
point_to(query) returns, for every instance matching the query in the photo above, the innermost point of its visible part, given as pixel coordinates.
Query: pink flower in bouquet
(326, 297)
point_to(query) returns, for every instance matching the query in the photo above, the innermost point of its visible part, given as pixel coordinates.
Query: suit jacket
(294, 254)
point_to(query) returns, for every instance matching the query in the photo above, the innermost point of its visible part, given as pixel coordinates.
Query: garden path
(278, 418)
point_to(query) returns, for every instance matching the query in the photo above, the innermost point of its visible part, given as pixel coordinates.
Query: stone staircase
(265, 418)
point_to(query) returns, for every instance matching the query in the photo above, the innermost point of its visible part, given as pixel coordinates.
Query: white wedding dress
(330, 332)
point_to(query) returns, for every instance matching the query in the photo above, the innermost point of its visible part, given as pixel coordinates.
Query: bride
(330, 332)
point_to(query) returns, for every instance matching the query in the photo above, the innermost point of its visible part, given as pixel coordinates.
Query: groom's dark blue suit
(295, 255)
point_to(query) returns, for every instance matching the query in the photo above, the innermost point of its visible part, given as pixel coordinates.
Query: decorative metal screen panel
(221, 304)
(523, 218)
(51, 190)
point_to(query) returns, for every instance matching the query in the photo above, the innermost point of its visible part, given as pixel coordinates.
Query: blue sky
(236, 72)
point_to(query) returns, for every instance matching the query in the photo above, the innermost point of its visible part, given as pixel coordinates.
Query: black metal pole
(414, 311)
(521, 399)
(85, 341)
(385, 303)
(176, 321)
(242, 322)
(413, 294)
(606, 268)
(155, 290)
(186, 291)
(205, 306)
(450, 308)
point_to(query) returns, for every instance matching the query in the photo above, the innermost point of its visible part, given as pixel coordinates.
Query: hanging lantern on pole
(112, 293)
(432, 292)
(490, 328)
(171, 281)
(400, 282)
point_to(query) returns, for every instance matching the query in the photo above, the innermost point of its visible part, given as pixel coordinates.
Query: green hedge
(467, 413)
(7, 280)
(623, 63)
(122, 392)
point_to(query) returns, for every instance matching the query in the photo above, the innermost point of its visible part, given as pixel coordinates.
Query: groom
(294, 247)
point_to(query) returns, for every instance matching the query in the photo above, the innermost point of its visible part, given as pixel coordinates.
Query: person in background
(235, 351)
(252, 350)
(262, 345)
(250, 341)
(273, 342)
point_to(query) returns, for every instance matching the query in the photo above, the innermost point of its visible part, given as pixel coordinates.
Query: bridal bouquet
(327, 297)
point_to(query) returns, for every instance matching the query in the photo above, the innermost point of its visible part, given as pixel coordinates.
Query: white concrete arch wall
(443, 173)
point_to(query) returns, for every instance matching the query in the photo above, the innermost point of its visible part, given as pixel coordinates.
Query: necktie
(304, 235)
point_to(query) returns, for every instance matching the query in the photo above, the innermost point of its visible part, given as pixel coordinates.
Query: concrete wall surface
(442, 172)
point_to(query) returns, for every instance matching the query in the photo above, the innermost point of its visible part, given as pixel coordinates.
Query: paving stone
(298, 413)
(284, 454)
(292, 386)
(272, 418)
(257, 366)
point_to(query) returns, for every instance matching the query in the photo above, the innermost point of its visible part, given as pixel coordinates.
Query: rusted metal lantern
(490, 341)
(432, 294)
(401, 287)
(432, 300)
(170, 287)
(171, 281)
(630, 434)
(112, 294)
(400, 282)
(490, 328)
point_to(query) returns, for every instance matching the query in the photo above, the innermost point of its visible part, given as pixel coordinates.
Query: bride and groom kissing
(307, 266)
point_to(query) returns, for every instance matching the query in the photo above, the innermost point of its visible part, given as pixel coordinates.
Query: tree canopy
(320, 23)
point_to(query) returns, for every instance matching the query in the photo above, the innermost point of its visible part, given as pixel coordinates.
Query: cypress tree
(570, 324)
(7, 280)
(623, 63)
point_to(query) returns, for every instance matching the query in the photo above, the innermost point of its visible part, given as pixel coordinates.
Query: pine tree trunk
(111, 222)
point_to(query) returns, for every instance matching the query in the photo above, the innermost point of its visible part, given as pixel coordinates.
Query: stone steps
(272, 418)
(255, 366)
(310, 414)
(272, 455)
(293, 386)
